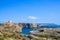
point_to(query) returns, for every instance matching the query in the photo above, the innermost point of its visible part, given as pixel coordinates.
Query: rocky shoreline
(13, 31)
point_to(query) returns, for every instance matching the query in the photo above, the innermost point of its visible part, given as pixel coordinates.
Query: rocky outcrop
(29, 25)
(13, 27)
(47, 31)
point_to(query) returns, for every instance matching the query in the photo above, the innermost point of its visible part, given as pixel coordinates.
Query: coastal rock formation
(47, 31)
(29, 25)
(12, 31)
(33, 25)
(17, 26)
(12, 27)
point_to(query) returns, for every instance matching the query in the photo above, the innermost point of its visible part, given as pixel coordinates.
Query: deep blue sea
(27, 30)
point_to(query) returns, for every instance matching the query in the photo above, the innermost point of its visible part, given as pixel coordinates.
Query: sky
(30, 11)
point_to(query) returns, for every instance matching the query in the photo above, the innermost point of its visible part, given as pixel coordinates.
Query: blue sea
(27, 30)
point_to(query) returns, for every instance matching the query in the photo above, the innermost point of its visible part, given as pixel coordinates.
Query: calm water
(27, 30)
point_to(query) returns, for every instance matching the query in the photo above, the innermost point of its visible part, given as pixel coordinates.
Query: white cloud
(23, 19)
(32, 17)
(29, 19)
